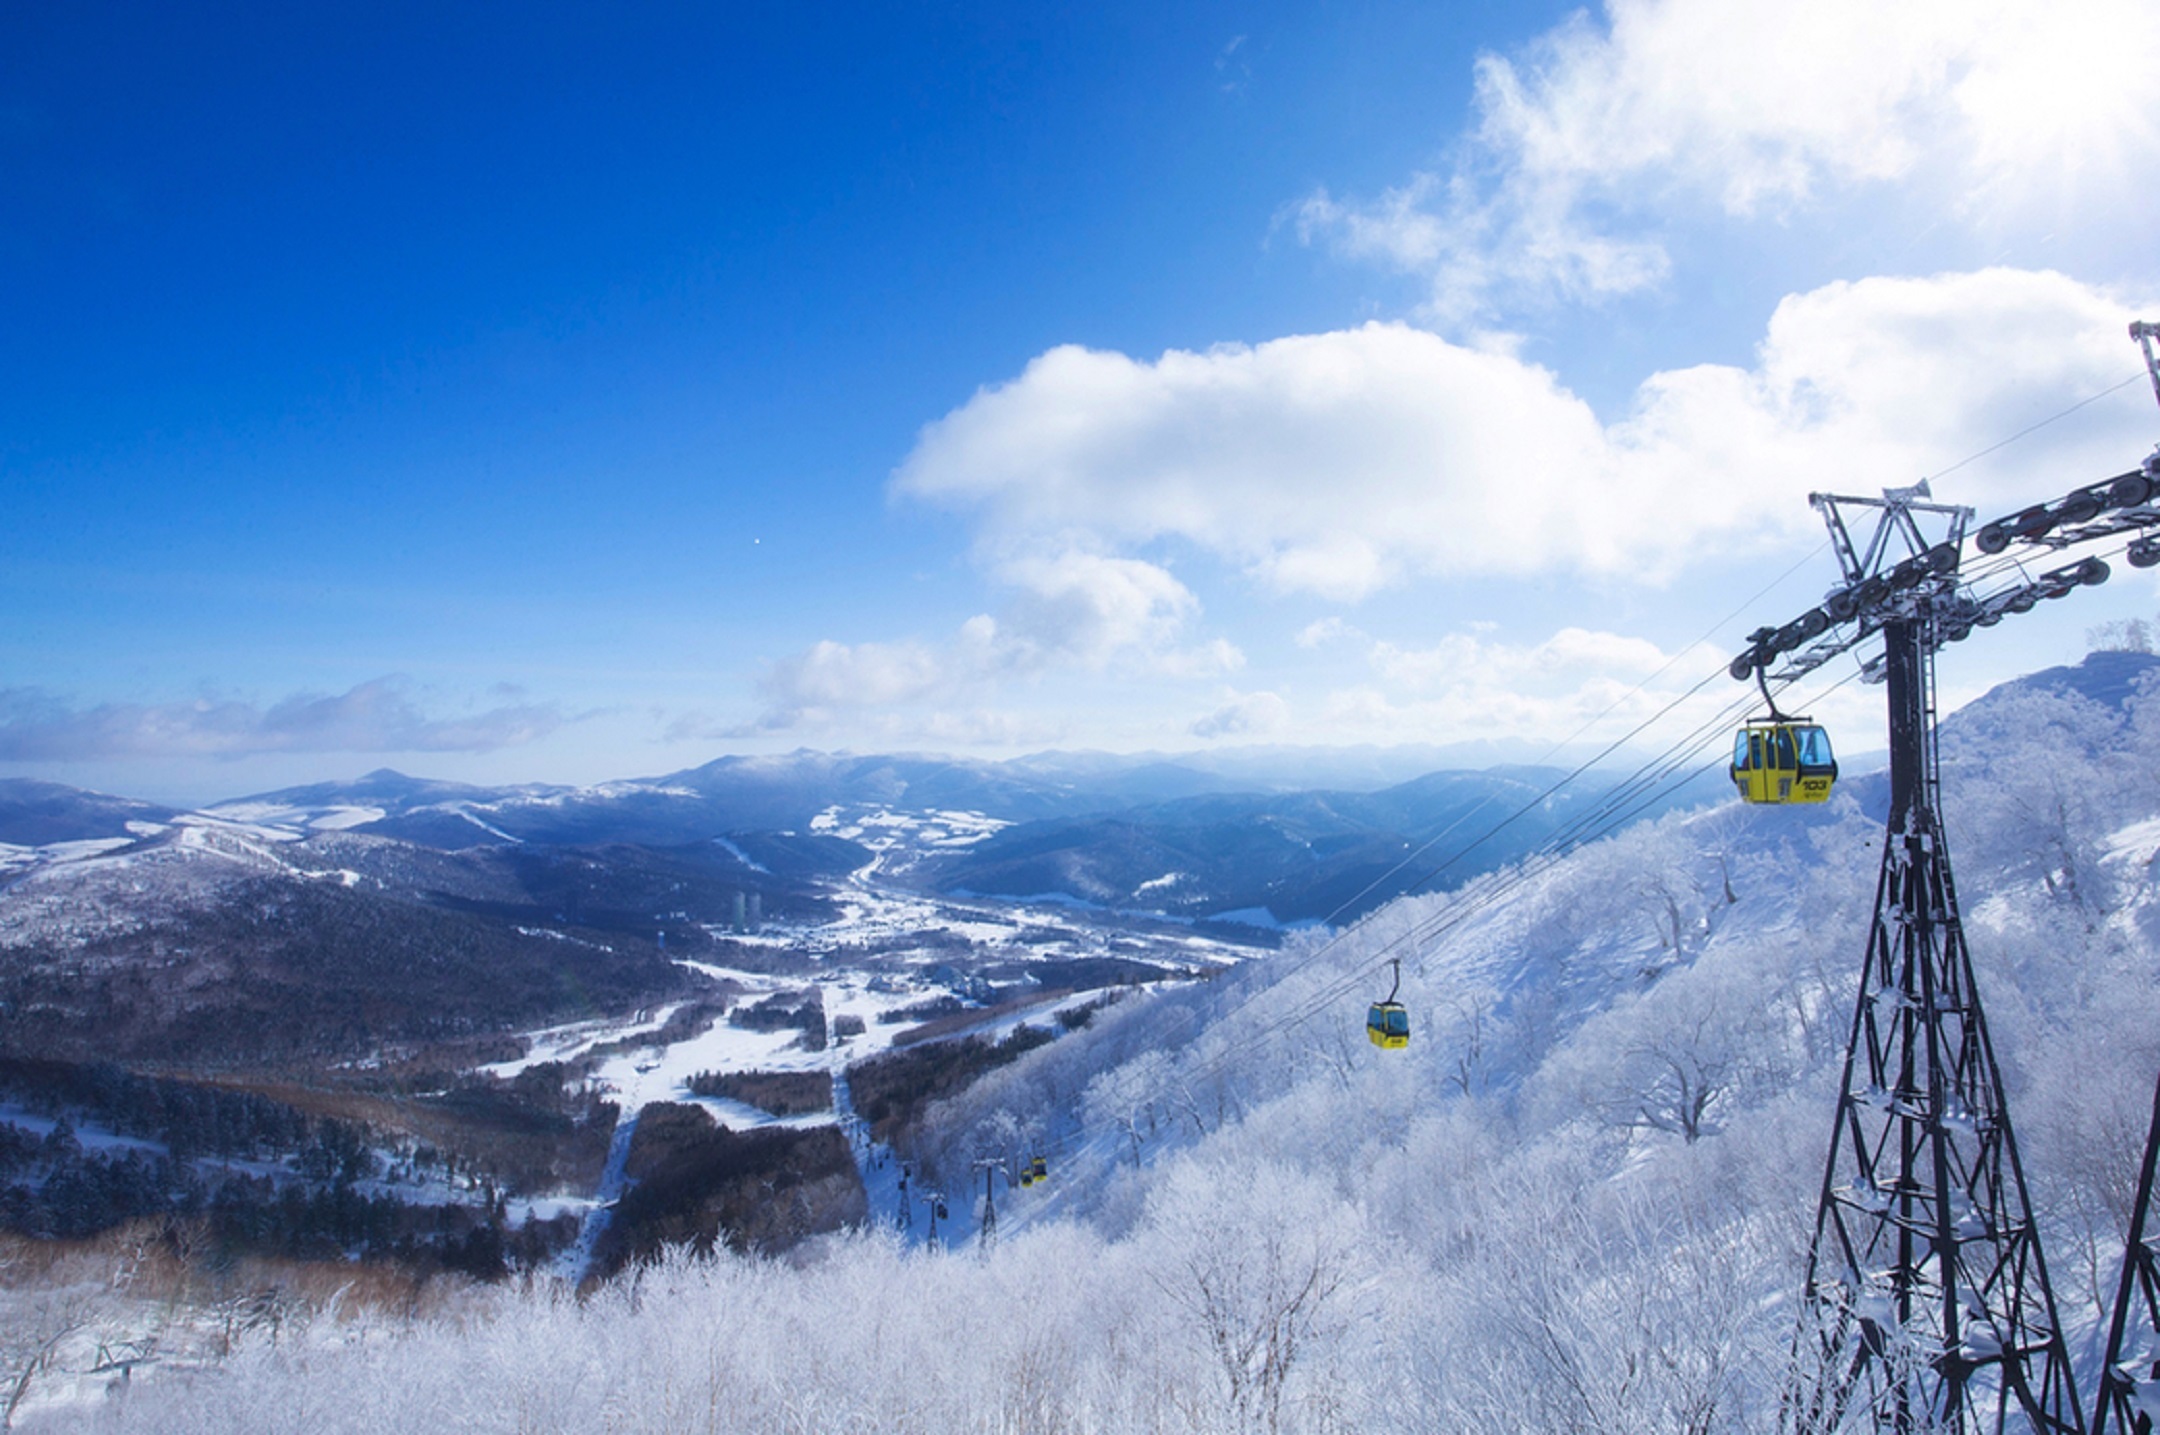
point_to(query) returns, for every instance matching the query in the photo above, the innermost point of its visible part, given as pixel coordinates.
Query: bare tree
(1260, 1264)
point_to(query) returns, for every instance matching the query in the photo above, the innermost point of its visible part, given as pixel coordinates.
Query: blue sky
(532, 393)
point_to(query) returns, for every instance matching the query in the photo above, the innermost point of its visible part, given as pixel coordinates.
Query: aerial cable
(1588, 723)
(1610, 748)
(2035, 428)
(1476, 901)
(1594, 827)
(1616, 806)
(1631, 798)
(1289, 969)
(1539, 800)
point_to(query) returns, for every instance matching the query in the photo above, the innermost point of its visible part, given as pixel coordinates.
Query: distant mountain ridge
(727, 795)
(35, 814)
(1289, 857)
(1193, 835)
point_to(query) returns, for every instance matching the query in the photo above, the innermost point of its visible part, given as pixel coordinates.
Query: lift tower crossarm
(1898, 506)
(1877, 590)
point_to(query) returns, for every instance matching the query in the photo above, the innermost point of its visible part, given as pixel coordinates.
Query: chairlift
(1780, 759)
(1038, 1170)
(1387, 1022)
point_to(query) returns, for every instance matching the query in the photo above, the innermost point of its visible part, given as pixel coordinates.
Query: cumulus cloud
(1069, 610)
(1336, 463)
(377, 716)
(1574, 659)
(1244, 715)
(1087, 609)
(1311, 459)
(1472, 686)
(1326, 632)
(858, 675)
(1751, 106)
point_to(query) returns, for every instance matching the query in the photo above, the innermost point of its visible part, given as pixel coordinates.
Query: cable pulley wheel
(2080, 507)
(2034, 522)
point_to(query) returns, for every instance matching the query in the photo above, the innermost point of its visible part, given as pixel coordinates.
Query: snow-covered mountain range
(1579, 1200)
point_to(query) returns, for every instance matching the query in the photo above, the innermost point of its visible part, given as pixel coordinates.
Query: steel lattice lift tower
(2130, 1374)
(2129, 1398)
(1928, 1296)
(1927, 1304)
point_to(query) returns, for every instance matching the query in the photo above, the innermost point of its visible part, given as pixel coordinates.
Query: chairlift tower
(1927, 1304)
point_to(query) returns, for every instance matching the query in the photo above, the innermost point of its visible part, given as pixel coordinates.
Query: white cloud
(1337, 463)
(1472, 686)
(1597, 134)
(1325, 632)
(1071, 610)
(833, 674)
(1573, 659)
(375, 716)
(1084, 608)
(1314, 460)
(1244, 715)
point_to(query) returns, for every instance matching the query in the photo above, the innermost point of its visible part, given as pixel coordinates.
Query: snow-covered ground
(336, 818)
(882, 830)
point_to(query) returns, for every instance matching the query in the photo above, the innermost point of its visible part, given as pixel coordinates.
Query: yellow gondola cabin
(1387, 1023)
(1782, 760)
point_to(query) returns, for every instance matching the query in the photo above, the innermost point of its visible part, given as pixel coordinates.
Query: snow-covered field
(881, 829)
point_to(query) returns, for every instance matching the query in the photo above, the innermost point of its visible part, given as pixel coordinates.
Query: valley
(446, 1051)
